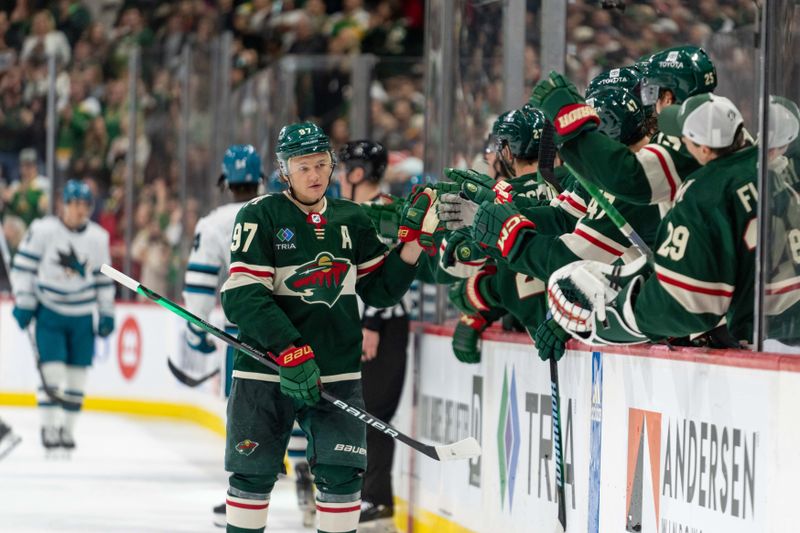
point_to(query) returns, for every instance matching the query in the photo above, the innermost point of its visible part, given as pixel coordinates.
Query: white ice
(128, 474)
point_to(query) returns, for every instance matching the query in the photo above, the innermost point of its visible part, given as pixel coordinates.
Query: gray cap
(27, 155)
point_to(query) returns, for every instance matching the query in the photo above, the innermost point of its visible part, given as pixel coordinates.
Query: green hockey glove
(418, 221)
(550, 340)
(385, 217)
(474, 295)
(594, 302)
(479, 187)
(467, 336)
(299, 374)
(564, 106)
(498, 226)
(460, 248)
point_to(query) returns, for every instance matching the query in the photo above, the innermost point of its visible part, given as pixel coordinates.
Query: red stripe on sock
(247, 505)
(338, 509)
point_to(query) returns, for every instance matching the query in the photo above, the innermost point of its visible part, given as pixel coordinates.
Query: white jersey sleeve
(25, 266)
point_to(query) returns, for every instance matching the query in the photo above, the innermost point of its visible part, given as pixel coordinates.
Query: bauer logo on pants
(246, 447)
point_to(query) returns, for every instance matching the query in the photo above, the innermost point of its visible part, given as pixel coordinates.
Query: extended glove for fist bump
(461, 248)
(564, 106)
(497, 226)
(550, 340)
(455, 211)
(418, 221)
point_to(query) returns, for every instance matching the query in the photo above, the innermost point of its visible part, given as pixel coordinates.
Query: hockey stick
(622, 225)
(51, 393)
(8, 440)
(185, 378)
(547, 156)
(463, 449)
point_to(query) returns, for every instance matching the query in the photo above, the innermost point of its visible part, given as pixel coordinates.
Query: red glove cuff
(476, 322)
(503, 191)
(508, 233)
(295, 356)
(406, 234)
(472, 287)
(571, 117)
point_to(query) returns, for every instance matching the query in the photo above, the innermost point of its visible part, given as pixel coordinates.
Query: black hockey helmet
(369, 155)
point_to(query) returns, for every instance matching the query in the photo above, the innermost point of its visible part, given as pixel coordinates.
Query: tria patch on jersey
(286, 239)
(320, 280)
(246, 447)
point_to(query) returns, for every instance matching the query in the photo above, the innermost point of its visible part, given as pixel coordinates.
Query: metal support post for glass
(51, 128)
(130, 159)
(183, 131)
(363, 66)
(768, 8)
(513, 54)
(553, 26)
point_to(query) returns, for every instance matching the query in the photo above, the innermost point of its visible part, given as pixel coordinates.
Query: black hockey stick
(185, 378)
(51, 393)
(547, 156)
(463, 449)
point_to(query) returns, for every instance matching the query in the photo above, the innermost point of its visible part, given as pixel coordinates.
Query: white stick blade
(463, 449)
(119, 277)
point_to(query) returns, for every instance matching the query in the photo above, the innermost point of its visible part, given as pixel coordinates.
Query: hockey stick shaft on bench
(463, 449)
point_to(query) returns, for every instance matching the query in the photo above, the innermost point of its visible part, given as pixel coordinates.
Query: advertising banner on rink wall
(129, 366)
(654, 441)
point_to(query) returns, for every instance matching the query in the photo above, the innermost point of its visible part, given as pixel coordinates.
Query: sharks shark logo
(70, 262)
(321, 280)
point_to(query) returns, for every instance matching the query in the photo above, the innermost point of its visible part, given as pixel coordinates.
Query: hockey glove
(550, 340)
(594, 302)
(460, 248)
(479, 187)
(418, 221)
(466, 338)
(106, 325)
(455, 211)
(299, 374)
(23, 316)
(474, 295)
(385, 217)
(197, 339)
(564, 106)
(498, 227)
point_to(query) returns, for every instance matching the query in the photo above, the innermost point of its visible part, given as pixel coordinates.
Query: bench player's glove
(455, 211)
(105, 326)
(196, 338)
(473, 295)
(467, 336)
(594, 301)
(550, 340)
(418, 221)
(299, 374)
(497, 226)
(564, 106)
(479, 187)
(460, 248)
(23, 316)
(385, 217)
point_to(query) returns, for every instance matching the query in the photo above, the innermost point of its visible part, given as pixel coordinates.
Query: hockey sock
(246, 510)
(338, 513)
(76, 384)
(54, 375)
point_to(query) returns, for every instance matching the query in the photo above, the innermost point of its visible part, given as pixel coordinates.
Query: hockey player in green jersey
(298, 260)
(704, 253)
(652, 175)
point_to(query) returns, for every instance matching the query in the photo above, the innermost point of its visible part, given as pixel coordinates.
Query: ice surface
(128, 474)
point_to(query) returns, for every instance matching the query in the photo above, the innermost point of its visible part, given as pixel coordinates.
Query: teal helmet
(622, 115)
(301, 138)
(520, 130)
(241, 164)
(77, 190)
(684, 70)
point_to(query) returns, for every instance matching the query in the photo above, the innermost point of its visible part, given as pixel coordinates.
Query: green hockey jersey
(294, 277)
(650, 176)
(705, 254)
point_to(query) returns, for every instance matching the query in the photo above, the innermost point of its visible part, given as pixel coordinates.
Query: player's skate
(67, 442)
(376, 518)
(8, 440)
(305, 493)
(51, 441)
(219, 515)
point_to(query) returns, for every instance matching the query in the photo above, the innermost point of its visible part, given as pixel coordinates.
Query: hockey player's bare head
(306, 162)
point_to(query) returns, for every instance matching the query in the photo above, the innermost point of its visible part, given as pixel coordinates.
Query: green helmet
(521, 130)
(684, 70)
(301, 138)
(622, 116)
(625, 77)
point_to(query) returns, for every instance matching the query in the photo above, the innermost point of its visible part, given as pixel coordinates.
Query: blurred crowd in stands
(92, 42)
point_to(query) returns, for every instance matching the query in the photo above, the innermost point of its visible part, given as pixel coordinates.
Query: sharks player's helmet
(369, 155)
(75, 190)
(683, 70)
(241, 164)
(622, 116)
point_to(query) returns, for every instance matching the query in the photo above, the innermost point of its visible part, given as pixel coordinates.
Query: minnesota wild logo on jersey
(320, 280)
